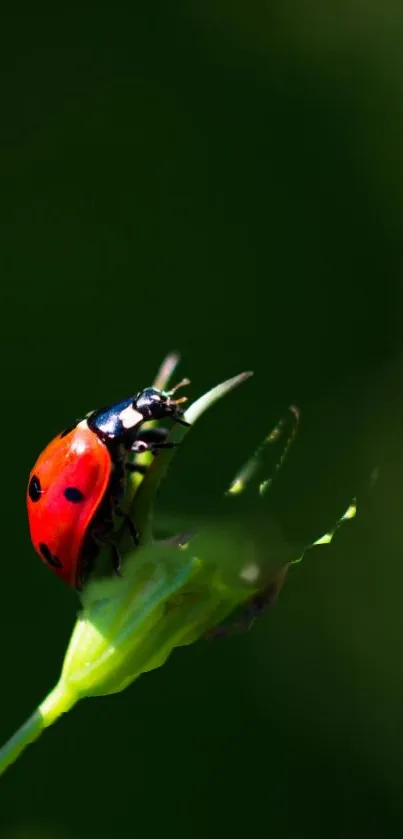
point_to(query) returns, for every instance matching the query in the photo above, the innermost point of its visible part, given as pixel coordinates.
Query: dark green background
(224, 178)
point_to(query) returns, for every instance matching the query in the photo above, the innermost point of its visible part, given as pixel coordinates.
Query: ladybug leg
(116, 492)
(141, 446)
(152, 440)
(156, 448)
(140, 468)
(129, 522)
(153, 435)
(116, 558)
(108, 542)
(148, 440)
(253, 609)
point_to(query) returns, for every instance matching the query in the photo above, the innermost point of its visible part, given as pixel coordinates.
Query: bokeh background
(226, 179)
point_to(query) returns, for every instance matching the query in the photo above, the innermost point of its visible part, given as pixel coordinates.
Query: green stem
(61, 698)
(58, 701)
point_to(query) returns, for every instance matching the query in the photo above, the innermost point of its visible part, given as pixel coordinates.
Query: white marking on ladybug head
(129, 417)
(250, 573)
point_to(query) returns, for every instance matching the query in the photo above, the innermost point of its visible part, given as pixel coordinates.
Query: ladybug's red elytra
(79, 479)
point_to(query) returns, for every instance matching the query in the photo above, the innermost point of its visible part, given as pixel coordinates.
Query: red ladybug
(77, 482)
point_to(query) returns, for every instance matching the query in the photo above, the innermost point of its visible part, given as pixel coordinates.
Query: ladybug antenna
(182, 383)
(179, 401)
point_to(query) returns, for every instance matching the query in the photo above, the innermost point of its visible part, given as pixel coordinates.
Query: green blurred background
(226, 179)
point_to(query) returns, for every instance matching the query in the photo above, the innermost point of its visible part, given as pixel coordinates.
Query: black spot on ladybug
(73, 494)
(48, 556)
(67, 431)
(34, 488)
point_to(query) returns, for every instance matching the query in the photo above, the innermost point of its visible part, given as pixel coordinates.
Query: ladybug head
(156, 404)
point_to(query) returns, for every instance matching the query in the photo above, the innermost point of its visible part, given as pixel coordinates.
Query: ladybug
(76, 485)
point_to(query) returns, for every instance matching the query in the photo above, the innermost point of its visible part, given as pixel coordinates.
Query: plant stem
(58, 701)
(62, 697)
